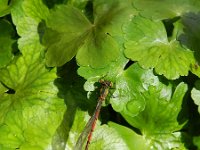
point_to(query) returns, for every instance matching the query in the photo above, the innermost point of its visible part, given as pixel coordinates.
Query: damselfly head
(106, 83)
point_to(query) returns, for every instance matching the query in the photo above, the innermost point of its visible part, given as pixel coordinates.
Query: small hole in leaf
(128, 64)
(9, 1)
(168, 23)
(169, 27)
(10, 91)
(89, 11)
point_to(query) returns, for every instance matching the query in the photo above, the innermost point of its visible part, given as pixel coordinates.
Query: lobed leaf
(159, 10)
(195, 93)
(145, 103)
(93, 43)
(148, 44)
(104, 136)
(6, 42)
(190, 37)
(5, 7)
(31, 111)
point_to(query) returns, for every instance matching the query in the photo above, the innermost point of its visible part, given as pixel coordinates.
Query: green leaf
(110, 71)
(35, 98)
(80, 4)
(34, 103)
(93, 43)
(5, 7)
(145, 103)
(71, 90)
(148, 44)
(26, 16)
(159, 10)
(196, 141)
(133, 140)
(190, 37)
(65, 40)
(6, 41)
(31, 111)
(97, 52)
(104, 136)
(195, 93)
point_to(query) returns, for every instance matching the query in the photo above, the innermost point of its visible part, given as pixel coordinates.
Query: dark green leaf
(159, 10)
(190, 37)
(5, 7)
(196, 141)
(195, 93)
(93, 42)
(6, 41)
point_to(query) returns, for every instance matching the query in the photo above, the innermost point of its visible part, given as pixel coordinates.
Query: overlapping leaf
(190, 37)
(4, 7)
(92, 41)
(159, 10)
(196, 141)
(150, 105)
(6, 42)
(104, 137)
(111, 71)
(148, 44)
(195, 93)
(30, 109)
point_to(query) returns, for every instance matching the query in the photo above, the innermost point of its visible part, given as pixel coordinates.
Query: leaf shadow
(191, 33)
(70, 87)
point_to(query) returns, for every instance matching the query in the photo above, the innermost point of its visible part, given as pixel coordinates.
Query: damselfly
(89, 128)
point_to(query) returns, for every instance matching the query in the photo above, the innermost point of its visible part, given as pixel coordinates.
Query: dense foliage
(53, 53)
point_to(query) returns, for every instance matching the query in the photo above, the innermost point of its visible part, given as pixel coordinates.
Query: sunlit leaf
(145, 102)
(148, 44)
(31, 111)
(5, 7)
(195, 93)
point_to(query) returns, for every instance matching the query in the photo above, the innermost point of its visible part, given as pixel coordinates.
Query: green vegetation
(53, 53)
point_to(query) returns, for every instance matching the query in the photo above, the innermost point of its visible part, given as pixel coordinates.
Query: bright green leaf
(133, 140)
(149, 105)
(26, 16)
(80, 4)
(104, 137)
(31, 111)
(159, 10)
(36, 97)
(6, 42)
(195, 93)
(148, 44)
(5, 7)
(196, 141)
(107, 138)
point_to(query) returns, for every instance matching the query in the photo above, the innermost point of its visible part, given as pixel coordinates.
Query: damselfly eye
(110, 84)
